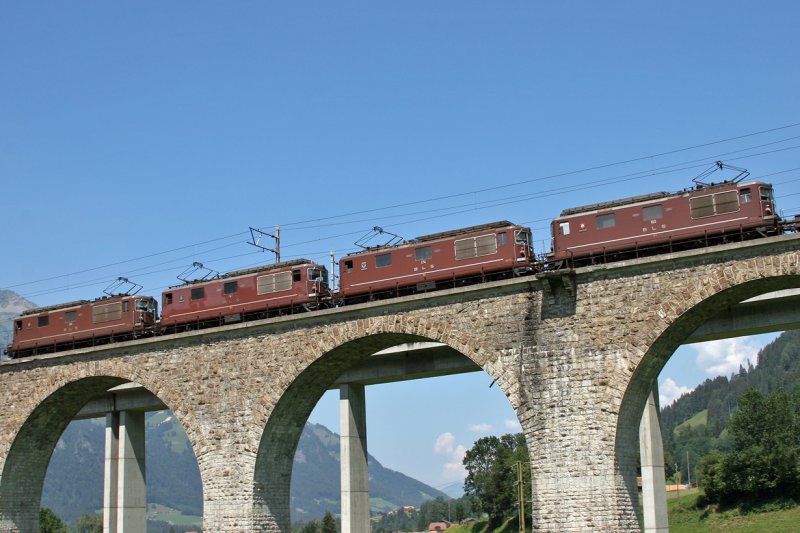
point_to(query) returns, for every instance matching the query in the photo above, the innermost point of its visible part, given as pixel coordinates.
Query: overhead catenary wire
(447, 210)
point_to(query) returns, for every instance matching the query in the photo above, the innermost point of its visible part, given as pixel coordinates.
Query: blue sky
(137, 138)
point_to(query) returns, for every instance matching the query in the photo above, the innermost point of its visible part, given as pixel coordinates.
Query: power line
(453, 210)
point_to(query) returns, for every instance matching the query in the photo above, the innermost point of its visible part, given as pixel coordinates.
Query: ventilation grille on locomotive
(714, 204)
(282, 281)
(476, 246)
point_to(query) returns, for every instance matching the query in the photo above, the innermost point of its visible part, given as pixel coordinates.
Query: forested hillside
(696, 422)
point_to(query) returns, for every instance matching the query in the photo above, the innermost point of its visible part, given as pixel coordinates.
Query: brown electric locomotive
(660, 222)
(82, 323)
(441, 259)
(244, 294)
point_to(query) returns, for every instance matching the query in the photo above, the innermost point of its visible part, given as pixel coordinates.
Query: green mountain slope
(682, 423)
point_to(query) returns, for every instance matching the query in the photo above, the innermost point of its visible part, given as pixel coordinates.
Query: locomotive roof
(436, 236)
(66, 305)
(646, 197)
(461, 231)
(244, 272)
(263, 268)
(615, 203)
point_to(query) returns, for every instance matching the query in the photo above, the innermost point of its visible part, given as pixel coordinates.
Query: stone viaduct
(577, 354)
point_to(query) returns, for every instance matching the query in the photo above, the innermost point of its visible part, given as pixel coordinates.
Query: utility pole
(332, 284)
(520, 497)
(688, 471)
(256, 235)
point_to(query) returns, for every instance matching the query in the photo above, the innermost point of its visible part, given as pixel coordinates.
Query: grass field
(685, 517)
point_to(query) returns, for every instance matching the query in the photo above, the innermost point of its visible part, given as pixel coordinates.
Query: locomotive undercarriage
(431, 286)
(225, 320)
(101, 340)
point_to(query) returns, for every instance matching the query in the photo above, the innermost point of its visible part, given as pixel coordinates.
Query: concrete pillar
(654, 492)
(110, 469)
(353, 444)
(125, 505)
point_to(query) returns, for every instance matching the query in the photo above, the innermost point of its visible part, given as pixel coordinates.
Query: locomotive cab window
(348, 266)
(43, 321)
(606, 221)
(746, 195)
(564, 228)
(316, 274)
(383, 260)
(199, 293)
(502, 239)
(766, 194)
(522, 237)
(168, 298)
(18, 325)
(652, 212)
(296, 275)
(231, 287)
(421, 254)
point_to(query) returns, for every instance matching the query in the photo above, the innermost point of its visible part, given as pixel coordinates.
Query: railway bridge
(576, 352)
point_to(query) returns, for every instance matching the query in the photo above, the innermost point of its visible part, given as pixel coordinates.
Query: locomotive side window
(502, 239)
(348, 266)
(652, 212)
(168, 298)
(198, 293)
(745, 195)
(70, 316)
(564, 227)
(296, 275)
(148, 306)
(766, 194)
(315, 274)
(125, 307)
(43, 321)
(383, 260)
(230, 287)
(421, 254)
(18, 325)
(606, 221)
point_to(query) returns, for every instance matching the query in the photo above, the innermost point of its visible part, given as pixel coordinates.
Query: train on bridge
(703, 215)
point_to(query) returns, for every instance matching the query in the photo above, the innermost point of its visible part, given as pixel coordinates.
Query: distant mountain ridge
(74, 479)
(11, 306)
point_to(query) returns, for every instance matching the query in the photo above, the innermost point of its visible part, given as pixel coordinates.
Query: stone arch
(27, 459)
(701, 301)
(36, 434)
(343, 346)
